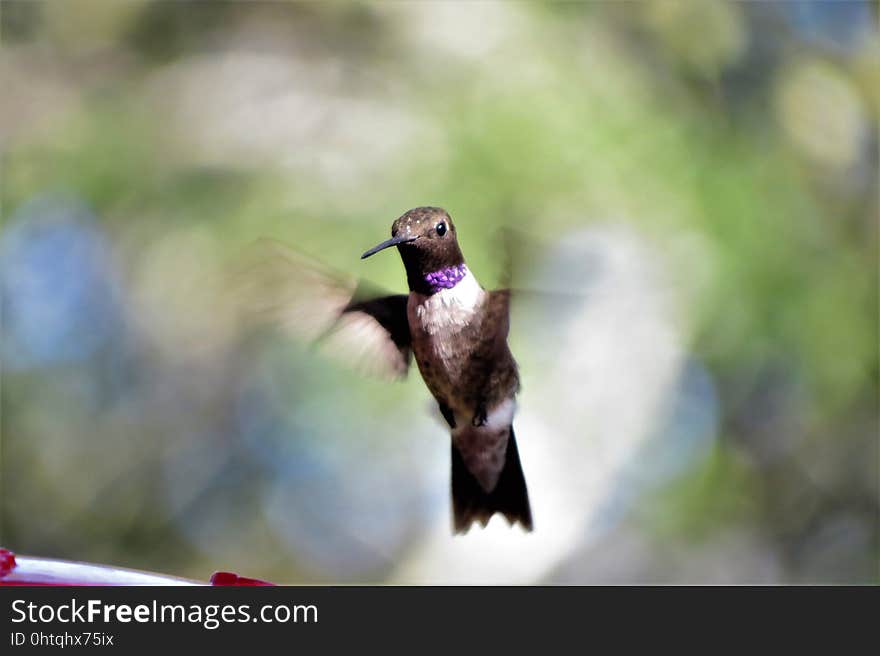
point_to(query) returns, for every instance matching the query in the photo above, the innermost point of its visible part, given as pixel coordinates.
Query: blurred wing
(374, 335)
(498, 311)
(541, 308)
(354, 323)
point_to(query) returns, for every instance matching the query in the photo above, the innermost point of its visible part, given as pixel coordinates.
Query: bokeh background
(701, 177)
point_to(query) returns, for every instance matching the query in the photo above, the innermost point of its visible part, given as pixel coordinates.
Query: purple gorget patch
(446, 278)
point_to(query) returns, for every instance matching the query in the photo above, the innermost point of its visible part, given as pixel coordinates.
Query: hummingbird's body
(469, 370)
(458, 334)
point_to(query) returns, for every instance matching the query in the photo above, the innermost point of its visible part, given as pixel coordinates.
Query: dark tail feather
(510, 497)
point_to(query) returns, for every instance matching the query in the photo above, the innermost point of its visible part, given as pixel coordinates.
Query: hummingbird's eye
(441, 229)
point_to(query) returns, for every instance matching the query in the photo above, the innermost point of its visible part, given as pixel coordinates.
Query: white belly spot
(483, 448)
(449, 309)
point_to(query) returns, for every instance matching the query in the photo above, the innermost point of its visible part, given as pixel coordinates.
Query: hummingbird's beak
(394, 241)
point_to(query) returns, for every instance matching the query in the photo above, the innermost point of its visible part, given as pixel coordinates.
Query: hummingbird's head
(426, 240)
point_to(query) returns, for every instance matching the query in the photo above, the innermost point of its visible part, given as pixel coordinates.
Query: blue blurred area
(845, 24)
(682, 441)
(332, 496)
(59, 291)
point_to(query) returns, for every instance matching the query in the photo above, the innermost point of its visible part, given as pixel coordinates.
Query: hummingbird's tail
(510, 497)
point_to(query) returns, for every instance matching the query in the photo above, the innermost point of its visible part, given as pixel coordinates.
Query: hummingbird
(454, 329)
(457, 332)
